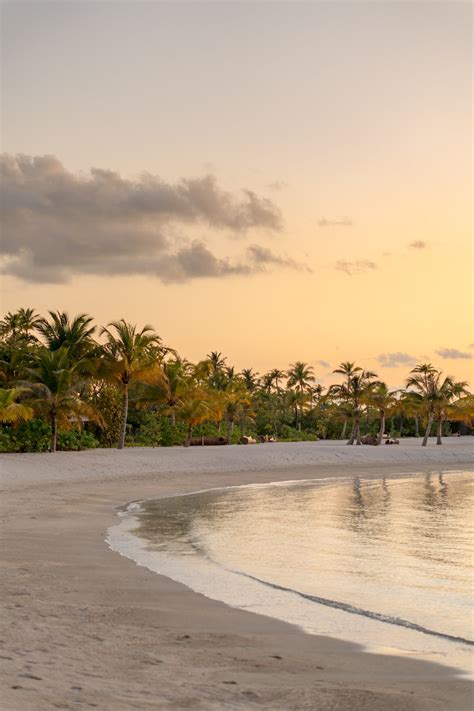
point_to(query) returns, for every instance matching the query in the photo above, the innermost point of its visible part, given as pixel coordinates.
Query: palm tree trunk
(439, 432)
(54, 432)
(392, 426)
(123, 421)
(189, 436)
(172, 419)
(229, 423)
(353, 434)
(428, 429)
(382, 428)
(417, 427)
(357, 433)
(344, 429)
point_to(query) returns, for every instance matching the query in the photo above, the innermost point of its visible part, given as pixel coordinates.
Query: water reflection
(398, 546)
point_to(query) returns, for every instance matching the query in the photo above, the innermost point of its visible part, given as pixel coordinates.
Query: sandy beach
(85, 627)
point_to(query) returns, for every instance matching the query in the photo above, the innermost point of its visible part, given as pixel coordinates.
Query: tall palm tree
(129, 356)
(353, 394)
(276, 375)
(236, 401)
(435, 395)
(380, 397)
(166, 387)
(53, 384)
(300, 376)
(217, 369)
(11, 410)
(266, 382)
(73, 333)
(196, 406)
(20, 323)
(250, 379)
(348, 369)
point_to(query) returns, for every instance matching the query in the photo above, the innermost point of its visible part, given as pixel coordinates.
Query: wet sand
(84, 627)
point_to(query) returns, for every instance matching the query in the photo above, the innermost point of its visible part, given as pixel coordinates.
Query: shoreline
(87, 626)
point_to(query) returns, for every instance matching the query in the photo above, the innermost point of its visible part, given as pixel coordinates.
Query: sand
(84, 627)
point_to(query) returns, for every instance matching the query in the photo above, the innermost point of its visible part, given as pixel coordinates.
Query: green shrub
(35, 436)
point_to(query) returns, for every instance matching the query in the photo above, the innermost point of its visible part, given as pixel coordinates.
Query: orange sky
(355, 113)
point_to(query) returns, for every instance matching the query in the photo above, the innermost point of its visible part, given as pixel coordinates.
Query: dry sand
(85, 627)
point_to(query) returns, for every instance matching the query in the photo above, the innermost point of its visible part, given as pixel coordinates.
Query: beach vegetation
(68, 384)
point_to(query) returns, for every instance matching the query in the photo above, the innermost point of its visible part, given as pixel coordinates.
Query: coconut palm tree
(353, 394)
(54, 391)
(20, 323)
(73, 333)
(380, 398)
(300, 376)
(11, 410)
(166, 387)
(129, 356)
(236, 401)
(250, 379)
(266, 382)
(435, 395)
(347, 369)
(196, 406)
(276, 375)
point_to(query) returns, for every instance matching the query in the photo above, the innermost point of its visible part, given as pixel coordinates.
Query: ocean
(383, 562)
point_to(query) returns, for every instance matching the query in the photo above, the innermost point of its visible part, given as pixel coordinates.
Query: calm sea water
(387, 563)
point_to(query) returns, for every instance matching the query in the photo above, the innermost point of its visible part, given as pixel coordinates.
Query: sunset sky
(278, 181)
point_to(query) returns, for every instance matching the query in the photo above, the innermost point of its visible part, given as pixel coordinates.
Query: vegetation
(68, 385)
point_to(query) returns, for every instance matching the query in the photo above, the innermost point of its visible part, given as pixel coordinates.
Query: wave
(346, 607)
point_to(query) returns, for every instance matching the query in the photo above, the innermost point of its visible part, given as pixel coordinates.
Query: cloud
(262, 257)
(343, 222)
(323, 363)
(393, 360)
(418, 244)
(357, 267)
(56, 223)
(277, 185)
(453, 353)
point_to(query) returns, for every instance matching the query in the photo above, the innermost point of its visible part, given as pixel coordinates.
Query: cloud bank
(343, 222)
(393, 360)
(418, 244)
(57, 224)
(324, 363)
(359, 266)
(453, 353)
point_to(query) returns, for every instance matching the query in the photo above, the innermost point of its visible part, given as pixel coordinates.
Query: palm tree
(276, 375)
(196, 406)
(353, 394)
(73, 333)
(435, 395)
(236, 400)
(380, 397)
(20, 323)
(348, 369)
(167, 387)
(250, 379)
(300, 376)
(129, 356)
(54, 391)
(11, 410)
(217, 368)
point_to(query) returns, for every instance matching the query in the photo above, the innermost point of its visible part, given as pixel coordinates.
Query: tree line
(68, 383)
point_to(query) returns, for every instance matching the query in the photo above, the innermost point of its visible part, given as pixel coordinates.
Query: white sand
(86, 627)
(455, 452)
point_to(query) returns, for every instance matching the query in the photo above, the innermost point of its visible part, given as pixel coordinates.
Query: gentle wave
(401, 544)
(358, 610)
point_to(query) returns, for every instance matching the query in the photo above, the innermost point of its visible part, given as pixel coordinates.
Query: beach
(86, 627)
